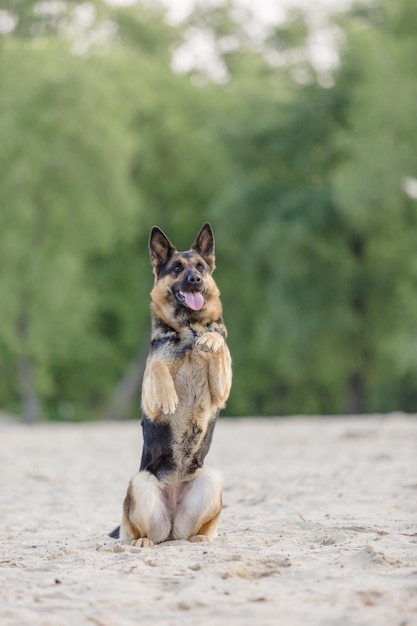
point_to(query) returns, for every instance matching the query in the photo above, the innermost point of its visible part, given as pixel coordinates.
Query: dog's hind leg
(146, 520)
(199, 510)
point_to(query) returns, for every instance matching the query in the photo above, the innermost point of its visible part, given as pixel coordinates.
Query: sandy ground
(319, 527)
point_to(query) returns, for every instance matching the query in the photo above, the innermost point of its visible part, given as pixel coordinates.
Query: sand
(319, 527)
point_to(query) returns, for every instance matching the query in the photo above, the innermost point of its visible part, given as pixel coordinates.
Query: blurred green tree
(287, 246)
(317, 208)
(378, 214)
(65, 193)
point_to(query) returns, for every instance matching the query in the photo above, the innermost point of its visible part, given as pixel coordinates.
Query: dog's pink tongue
(194, 300)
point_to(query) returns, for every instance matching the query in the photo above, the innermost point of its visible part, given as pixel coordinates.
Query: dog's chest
(191, 382)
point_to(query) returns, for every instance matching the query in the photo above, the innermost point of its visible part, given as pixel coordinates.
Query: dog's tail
(115, 534)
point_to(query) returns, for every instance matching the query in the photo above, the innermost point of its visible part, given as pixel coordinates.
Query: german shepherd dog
(186, 382)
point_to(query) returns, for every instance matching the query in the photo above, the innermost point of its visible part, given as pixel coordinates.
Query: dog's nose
(193, 279)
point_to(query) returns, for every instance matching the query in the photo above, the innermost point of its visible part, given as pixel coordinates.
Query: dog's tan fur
(186, 382)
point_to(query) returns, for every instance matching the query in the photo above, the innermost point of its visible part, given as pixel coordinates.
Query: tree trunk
(29, 398)
(31, 408)
(355, 401)
(127, 389)
(356, 393)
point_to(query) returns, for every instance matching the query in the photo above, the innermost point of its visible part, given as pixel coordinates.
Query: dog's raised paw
(209, 342)
(168, 405)
(166, 398)
(142, 542)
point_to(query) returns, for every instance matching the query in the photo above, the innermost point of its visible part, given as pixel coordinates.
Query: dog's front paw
(167, 404)
(209, 342)
(165, 398)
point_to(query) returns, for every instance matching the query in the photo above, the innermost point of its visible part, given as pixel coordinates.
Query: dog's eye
(200, 267)
(177, 269)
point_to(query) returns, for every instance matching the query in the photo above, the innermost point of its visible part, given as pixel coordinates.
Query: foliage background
(308, 175)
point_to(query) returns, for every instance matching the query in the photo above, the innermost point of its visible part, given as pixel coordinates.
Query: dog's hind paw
(198, 538)
(142, 542)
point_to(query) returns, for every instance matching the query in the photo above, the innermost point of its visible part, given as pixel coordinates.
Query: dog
(186, 382)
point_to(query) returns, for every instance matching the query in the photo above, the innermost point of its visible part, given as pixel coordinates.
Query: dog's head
(183, 280)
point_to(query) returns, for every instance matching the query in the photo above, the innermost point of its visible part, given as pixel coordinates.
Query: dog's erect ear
(204, 245)
(160, 248)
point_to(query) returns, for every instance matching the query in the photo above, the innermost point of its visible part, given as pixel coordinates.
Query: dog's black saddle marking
(159, 443)
(157, 454)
